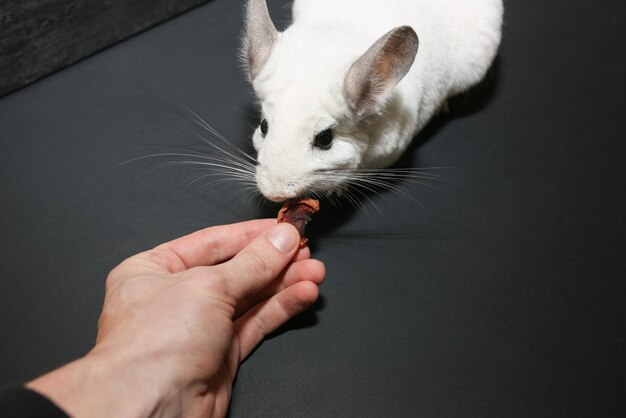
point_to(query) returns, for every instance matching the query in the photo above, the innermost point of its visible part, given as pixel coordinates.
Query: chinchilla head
(322, 92)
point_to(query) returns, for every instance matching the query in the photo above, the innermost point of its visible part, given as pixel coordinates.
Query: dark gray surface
(38, 37)
(506, 300)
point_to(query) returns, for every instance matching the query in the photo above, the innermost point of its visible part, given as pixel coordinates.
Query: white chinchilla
(348, 85)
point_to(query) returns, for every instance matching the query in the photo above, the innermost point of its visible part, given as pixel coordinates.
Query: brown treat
(298, 213)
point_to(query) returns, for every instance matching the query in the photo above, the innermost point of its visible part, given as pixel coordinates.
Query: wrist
(99, 385)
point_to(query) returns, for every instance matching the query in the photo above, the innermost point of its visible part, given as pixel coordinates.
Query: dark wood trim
(38, 37)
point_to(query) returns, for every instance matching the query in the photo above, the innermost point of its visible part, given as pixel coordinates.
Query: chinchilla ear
(373, 75)
(259, 36)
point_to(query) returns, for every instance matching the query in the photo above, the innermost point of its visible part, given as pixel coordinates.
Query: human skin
(179, 319)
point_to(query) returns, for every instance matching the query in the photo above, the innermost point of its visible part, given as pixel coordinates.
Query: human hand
(179, 319)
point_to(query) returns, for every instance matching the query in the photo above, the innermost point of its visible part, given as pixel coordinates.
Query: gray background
(500, 296)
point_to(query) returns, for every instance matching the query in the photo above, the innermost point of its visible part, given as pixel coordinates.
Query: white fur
(300, 86)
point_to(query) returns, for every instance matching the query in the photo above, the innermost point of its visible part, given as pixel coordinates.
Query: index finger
(215, 244)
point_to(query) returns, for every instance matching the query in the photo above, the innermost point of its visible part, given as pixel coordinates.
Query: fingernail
(284, 237)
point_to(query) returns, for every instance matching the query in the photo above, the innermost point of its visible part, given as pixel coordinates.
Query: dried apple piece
(298, 213)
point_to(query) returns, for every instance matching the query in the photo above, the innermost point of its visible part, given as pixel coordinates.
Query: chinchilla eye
(324, 139)
(264, 127)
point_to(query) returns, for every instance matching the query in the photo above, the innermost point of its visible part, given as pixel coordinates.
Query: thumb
(260, 262)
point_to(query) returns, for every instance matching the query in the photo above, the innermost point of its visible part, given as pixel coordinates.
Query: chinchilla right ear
(375, 73)
(259, 37)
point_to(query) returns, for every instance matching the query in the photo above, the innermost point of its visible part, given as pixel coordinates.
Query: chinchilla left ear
(375, 73)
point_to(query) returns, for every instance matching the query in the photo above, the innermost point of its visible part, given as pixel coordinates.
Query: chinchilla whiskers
(205, 160)
(216, 167)
(224, 156)
(356, 193)
(418, 176)
(392, 182)
(213, 161)
(206, 179)
(243, 165)
(331, 196)
(376, 186)
(203, 124)
(253, 194)
(206, 167)
(220, 175)
(351, 198)
(225, 152)
(355, 196)
(364, 184)
(394, 174)
(236, 155)
(218, 181)
(243, 175)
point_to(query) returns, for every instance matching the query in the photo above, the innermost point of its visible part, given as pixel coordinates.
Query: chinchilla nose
(279, 195)
(277, 199)
(275, 187)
